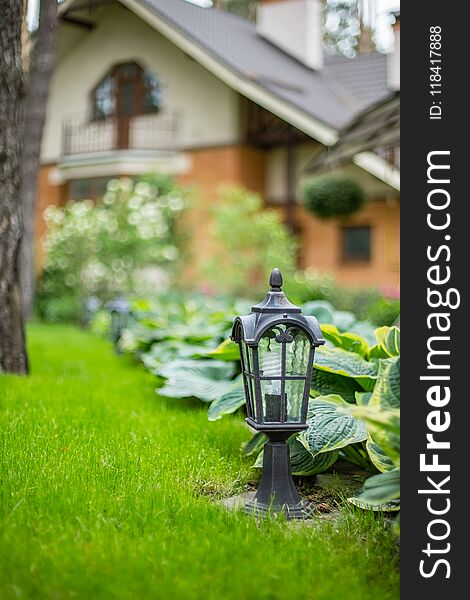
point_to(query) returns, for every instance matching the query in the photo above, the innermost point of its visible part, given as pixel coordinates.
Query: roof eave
(378, 167)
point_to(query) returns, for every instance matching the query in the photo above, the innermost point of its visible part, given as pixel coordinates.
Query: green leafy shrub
(354, 413)
(126, 243)
(250, 241)
(378, 306)
(309, 284)
(328, 196)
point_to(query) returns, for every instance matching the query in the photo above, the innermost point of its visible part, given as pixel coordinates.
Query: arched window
(127, 90)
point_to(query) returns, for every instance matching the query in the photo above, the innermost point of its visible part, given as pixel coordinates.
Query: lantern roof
(275, 300)
(119, 304)
(275, 308)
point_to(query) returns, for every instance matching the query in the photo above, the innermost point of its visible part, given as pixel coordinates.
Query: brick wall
(321, 245)
(49, 192)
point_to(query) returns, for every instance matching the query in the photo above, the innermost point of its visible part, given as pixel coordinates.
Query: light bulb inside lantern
(271, 364)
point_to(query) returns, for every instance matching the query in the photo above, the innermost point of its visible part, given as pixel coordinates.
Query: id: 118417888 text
(435, 67)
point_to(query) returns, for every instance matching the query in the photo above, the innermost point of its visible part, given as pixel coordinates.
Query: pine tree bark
(40, 72)
(13, 356)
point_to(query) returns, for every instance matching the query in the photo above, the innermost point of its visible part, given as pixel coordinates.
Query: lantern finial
(275, 281)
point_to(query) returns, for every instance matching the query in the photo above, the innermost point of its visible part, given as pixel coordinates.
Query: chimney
(294, 26)
(393, 64)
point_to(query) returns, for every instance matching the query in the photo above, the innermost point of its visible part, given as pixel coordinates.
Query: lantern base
(301, 511)
(277, 493)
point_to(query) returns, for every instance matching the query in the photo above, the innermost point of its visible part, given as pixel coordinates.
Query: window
(84, 189)
(356, 243)
(104, 103)
(127, 90)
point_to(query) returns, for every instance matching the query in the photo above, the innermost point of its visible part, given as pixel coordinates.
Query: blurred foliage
(242, 8)
(379, 306)
(330, 196)
(250, 242)
(126, 243)
(344, 30)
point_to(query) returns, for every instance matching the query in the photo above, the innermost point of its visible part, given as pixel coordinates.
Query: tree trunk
(13, 356)
(41, 66)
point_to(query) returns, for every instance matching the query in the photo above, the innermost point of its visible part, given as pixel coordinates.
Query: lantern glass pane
(273, 410)
(294, 390)
(246, 361)
(248, 381)
(297, 353)
(270, 359)
(270, 355)
(254, 381)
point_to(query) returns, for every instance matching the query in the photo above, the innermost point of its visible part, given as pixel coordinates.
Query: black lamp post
(92, 305)
(120, 311)
(277, 345)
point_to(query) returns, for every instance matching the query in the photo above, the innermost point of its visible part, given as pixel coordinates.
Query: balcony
(120, 147)
(149, 133)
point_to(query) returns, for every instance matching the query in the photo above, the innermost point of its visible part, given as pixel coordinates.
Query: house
(165, 85)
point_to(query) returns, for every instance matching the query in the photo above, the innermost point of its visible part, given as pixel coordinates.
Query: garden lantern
(120, 311)
(92, 305)
(277, 345)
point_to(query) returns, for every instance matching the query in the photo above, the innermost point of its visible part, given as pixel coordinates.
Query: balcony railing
(155, 132)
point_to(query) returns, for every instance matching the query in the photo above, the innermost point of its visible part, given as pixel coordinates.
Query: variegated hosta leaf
(362, 398)
(379, 489)
(365, 330)
(383, 427)
(331, 425)
(380, 460)
(302, 462)
(324, 383)
(356, 454)
(228, 403)
(389, 339)
(207, 380)
(352, 342)
(392, 506)
(227, 350)
(349, 364)
(388, 343)
(214, 369)
(254, 446)
(386, 393)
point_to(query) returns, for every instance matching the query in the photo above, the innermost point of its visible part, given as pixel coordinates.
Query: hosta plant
(354, 411)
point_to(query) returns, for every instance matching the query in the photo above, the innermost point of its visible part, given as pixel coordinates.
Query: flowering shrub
(126, 243)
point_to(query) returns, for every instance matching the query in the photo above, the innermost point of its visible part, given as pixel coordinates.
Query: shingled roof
(343, 89)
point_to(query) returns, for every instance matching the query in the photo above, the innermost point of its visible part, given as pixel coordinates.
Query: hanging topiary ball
(328, 196)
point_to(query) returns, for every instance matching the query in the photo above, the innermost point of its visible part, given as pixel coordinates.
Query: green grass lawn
(108, 491)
